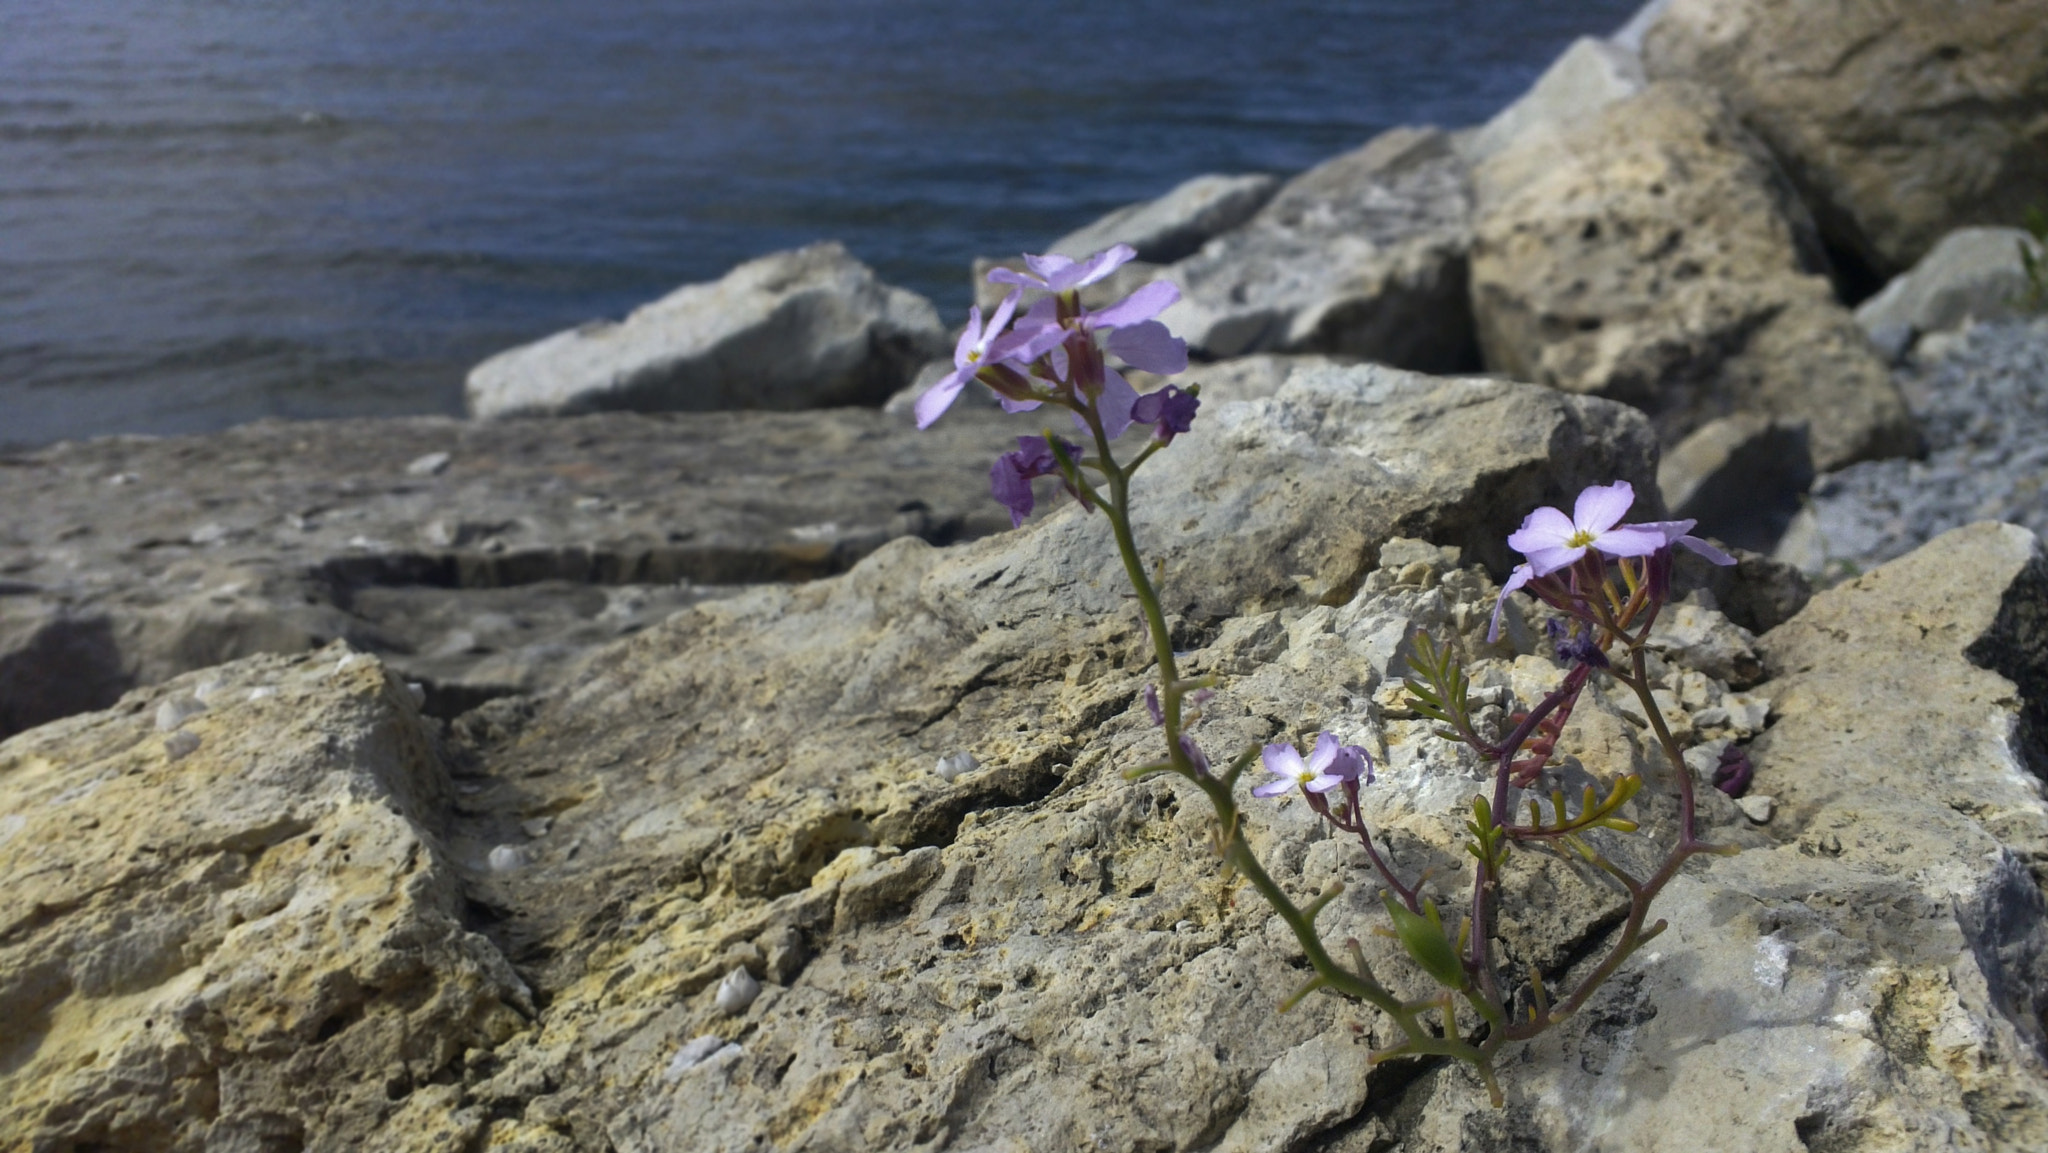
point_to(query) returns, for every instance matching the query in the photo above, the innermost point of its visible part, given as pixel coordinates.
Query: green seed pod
(1423, 937)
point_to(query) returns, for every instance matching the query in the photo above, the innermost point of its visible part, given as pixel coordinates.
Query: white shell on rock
(737, 992)
(956, 764)
(506, 858)
(705, 1050)
(175, 711)
(431, 464)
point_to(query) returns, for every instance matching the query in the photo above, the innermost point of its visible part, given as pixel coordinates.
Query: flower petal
(1545, 561)
(1323, 783)
(1274, 787)
(1320, 757)
(939, 397)
(1004, 311)
(1706, 550)
(1148, 345)
(1087, 272)
(1601, 507)
(1522, 575)
(1630, 540)
(1140, 306)
(1545, 528)
(1114, 405)
(1281, 759)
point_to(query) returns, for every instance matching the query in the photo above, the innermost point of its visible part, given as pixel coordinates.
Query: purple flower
(1551, 540)
(1056, 273)
(1732, 775)
(1170, 409)
(1152, 706)
(1011, 476)
(1327, 767)
(1675, 532)
(970, 356)
(1522, 575)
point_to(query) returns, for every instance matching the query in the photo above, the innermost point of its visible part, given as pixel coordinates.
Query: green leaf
(1422, 935)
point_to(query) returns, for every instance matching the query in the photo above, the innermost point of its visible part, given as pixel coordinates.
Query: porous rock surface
(243, 933)
(1361, 256)
(479, 558)
(808, 328)
(1898, 120)
(1032, 952)
(1654, 255)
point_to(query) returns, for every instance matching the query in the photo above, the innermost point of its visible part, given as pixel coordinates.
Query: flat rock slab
(480, 557)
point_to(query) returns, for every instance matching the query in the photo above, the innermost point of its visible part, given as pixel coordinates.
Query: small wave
(315, 124)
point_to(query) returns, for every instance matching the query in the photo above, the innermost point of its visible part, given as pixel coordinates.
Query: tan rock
(1654, 255)
(1898, 121)
(257, 945)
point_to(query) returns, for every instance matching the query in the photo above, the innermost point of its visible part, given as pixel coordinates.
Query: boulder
(809, 328)
(1655, 256)
(1361, 256)
(1177, 224)
(1589, 76)
(1897, 121)
(1974, 273)
(523, 545)
(853, 864)
(1741, 477)
(243, 932)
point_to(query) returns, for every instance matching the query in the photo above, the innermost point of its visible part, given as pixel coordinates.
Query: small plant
(2034, 261)
(1607, 580)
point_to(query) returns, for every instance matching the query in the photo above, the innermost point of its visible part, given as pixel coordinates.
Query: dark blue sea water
(214, 210)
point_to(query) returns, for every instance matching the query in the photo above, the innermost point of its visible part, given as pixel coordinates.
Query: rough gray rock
(1898, 121)
(1035, 953)
(1980, 401)
(1589, 76)
(1973, 273)
(1177, 224)
(1361, 256)
(1655, 256)
(131, 560)
(809, 328)
(1741, 477)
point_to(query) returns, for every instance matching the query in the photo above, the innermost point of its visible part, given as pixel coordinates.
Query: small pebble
(1758, 807)
(262, 693)
(506, 858)
(956, 764)
(207, 688)
(537, 827)
(175, 711)
(737, 992)
(432, 464)
(417, 691)
(180, 745)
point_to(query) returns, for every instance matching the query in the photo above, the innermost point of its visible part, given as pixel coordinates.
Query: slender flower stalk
(1607, 579)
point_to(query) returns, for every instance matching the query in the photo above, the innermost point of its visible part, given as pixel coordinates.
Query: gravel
(1981, 397)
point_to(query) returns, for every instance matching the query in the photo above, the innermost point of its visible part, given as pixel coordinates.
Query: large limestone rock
(1360, 256)
(1589, 76)
(243, 932)
(1655, 256)
(810, 328)
(1025, 951)
(479, 558)
(1898, 120)
(1177, 224)
(1974, 273)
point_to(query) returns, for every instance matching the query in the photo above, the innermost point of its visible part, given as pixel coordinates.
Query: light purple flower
(1324, 770)
(970, 356)
(1170, 410)
(1516, 579)
(1011, 476)
(1676, 532)
(1056, 273)
(1551, 540)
